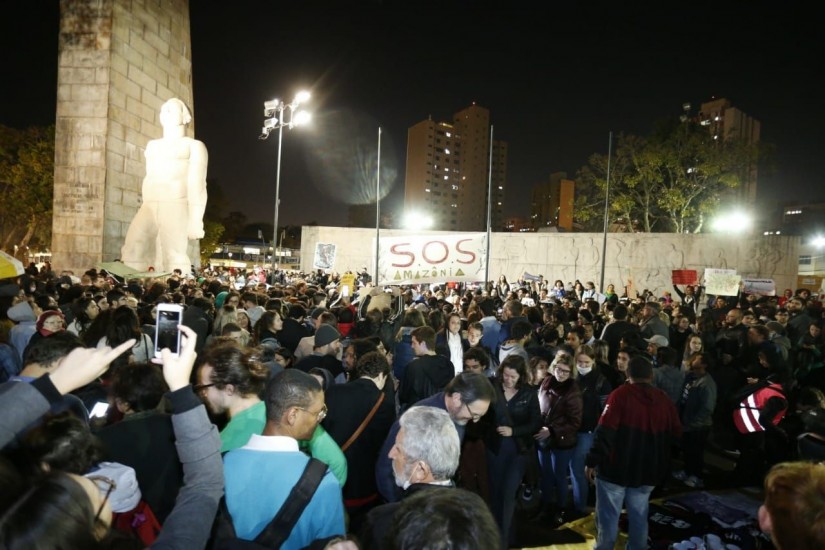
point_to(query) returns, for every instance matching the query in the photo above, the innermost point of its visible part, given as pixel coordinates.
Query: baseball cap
(658, 340)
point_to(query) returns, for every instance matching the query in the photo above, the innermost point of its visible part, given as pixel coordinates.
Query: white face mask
(584, 370)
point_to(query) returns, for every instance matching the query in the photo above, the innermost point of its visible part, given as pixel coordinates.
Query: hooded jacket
(22, 312)
(632, 442)
(26, 320)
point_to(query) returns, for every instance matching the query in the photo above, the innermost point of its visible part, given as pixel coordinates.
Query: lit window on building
(804, 260)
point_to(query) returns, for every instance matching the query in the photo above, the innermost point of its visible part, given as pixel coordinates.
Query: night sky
(556, 80)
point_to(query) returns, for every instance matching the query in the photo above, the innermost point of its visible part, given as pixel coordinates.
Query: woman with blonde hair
(794, 510)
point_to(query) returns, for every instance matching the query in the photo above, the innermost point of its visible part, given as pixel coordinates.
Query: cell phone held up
(167, 335)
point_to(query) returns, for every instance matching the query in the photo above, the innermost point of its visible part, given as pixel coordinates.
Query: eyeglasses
(475, 416)
(320, 415)
(105, 486)
(200, 387)
(561, 371)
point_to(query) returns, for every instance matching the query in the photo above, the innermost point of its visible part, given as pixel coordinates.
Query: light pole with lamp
(295, 118)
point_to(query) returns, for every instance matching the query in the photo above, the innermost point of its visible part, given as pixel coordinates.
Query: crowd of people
(299, 415)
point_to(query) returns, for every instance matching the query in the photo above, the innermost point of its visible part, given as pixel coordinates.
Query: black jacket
(197, 319)
(379, 520)
(595, 388)
(426, 375)
(349, 404)
(521, 413)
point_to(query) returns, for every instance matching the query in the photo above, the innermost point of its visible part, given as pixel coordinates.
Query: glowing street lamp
(417, 220)
(732, 222)
(274, 110)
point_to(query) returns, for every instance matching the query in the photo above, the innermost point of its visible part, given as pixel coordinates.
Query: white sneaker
(694, 482)
(680, 475)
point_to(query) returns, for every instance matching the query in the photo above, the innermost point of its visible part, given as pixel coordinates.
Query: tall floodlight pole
(606, 210)
(377, 205)
(276, 120)
(489, 210)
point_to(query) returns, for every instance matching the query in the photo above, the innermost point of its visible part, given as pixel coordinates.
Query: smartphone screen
(99, 410)
(167, 334)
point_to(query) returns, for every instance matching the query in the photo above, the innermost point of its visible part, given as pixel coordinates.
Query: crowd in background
(745, 374)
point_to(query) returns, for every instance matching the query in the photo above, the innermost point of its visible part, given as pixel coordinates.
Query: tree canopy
(669, 181)
(26, 186)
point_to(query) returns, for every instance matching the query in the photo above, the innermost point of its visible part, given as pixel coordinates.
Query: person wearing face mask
(595, 388)
(424, 457)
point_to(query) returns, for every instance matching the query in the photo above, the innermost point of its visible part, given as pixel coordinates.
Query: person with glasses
(424, 456)
(63, 510)
(560, 400)
(230, 380)
(261, 474)
(466, 398)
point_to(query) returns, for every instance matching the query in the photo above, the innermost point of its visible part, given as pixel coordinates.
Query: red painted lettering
(430, 260)
(466, 252)
(395, 249)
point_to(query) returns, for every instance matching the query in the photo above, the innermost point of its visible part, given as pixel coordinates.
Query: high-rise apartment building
(446, 173)
(727, 122)
(552, 203)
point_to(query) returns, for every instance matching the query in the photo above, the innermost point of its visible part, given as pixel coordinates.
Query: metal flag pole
(489, 210)
(606, 210)
(377, 205)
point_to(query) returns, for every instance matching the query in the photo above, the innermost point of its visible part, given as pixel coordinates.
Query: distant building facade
(727, 122)
(446, 172)
(518, 225)
(552, 203)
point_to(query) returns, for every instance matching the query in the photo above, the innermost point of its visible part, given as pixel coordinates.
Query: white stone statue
(174, 197)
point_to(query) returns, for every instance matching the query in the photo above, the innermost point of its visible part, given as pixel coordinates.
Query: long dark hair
(518, 364)
(79, 308)
(264, 325)
(123, 325)
(54, 513)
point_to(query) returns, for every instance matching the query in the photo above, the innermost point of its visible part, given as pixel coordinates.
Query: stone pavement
(537, 533)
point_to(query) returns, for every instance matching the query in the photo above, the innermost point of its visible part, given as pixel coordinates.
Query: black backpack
(279, 529)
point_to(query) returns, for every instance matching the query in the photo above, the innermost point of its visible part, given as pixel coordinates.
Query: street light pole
(277, 200)
(278, 107)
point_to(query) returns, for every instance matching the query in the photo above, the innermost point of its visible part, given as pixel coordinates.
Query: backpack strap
(363, 425)
(279, 529)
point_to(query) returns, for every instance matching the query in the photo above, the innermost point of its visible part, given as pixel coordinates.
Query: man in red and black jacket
(631, 454)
